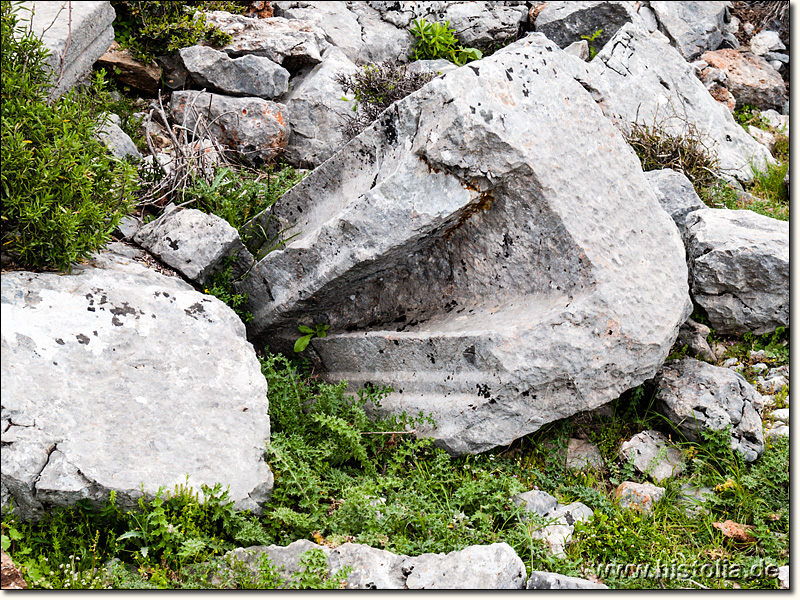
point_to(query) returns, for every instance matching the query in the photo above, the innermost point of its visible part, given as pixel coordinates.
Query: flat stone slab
(118, 378)
(465, 258)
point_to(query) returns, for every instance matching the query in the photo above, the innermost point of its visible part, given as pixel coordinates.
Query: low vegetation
(438, 40)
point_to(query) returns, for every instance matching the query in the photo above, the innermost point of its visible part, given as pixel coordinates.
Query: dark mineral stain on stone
(59, 341)
(82, 339)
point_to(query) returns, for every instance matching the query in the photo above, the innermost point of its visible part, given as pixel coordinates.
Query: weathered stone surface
(764, 42)
(75, 33)
(536, 501)
(751, 79)
(652, 455)
(10, 575)
(317, 111)
(695, 336)
(675, 193)
(340, 25)
(124, 68)
(692, 498)
(556, 290)
(439, 66)
(783, 577)
(290, 43)
(697, 396)
(583, 455)
(257, 129)
(494, 566)
(382, 40)
(639, 496)
(692, 27)
(645, 81)
(542, 580)
(95, 398)
(579, 49)
(115, 139)
(739, 269)
(244, 76)
(566, 22)
(195, 243)
(557, 533)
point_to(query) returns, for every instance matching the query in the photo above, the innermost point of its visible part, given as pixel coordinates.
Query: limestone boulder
(639, 496)
(739, 269)
(567, 22)
(696, 396)
(258, 130)
(692, 27)
(289, 43)
(95, 397)
(557, 287)
(750, 78)
(75, 33)
(317, 110)
(645, 81)
(247, 75)
(542, 580)
(195, 243)
(115, 139)
(335, 19)
(652, 455)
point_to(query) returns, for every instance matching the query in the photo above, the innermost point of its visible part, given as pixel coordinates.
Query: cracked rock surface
(493, 279)
(697, 396)
(116, 377)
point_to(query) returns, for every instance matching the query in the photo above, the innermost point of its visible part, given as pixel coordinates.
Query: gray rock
(576, 512)
(776, 430)
(536, 501)
(128, 413)
(652, 455)
(559, 525)
(697, 397)
(335, 19)
(692, 498)
(317, 111)
(649, 18)
(480, 24)
(290, 43)
(783, 577)
(244, 76)
(440, 66)
(256, 129)
(739, 269)
(579, 49)
(195, 243)
(75, 33)
(777, 56)
(566, 22)
(115, 139)
(675, 193)
(583, 455)
(382, 40)
(781, 414)
(773, 384)
(766, 41)
(639, 496)
(695, 335)
(542, 580)
(692, 27)
(439, 189)
(751, 79)
(494, 566)
(128, 226)
(643, 81)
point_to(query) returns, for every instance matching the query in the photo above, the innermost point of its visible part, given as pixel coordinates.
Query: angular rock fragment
(568, 22)
(257, 129)
(317, 111)
(95, 398)
(695, 336)
(583, 455)
(644, 81)
(697, 397)
(764, 42)
(652, 455)
(290, 43)
(495, 567)
(120, 65)
(675, 193)
(751, 79)
(339, 23)
(247, 75)
(692, 27)
(195, 243)
(462, 257)
(639, 496)
(115, 139)
(542, 580)
(739, 269)
(536, 501)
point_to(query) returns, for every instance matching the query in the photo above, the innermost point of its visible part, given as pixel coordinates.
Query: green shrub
(437, 40)
(375, 88)
(149, 29)
(62, 193)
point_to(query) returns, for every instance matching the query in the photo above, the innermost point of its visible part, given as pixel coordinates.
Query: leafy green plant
(221, 285)
(62, 192)
(149, 29)
(319, 330)
(375, 88)
(748, 114)
(437, 40)
(590, 39)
